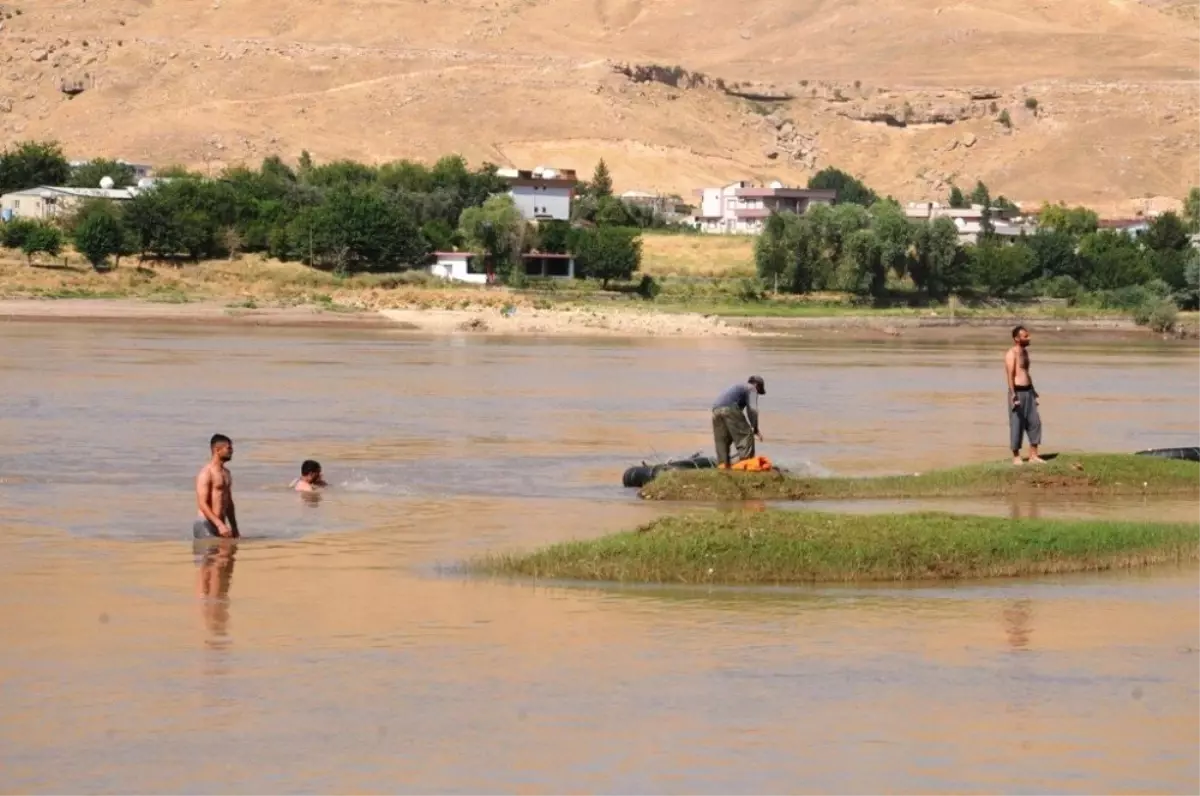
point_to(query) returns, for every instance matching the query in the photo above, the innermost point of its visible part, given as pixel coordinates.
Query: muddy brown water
(344, 657)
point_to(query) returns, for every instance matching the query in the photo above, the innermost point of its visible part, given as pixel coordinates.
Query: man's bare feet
(1035, 459)
(1017, 461)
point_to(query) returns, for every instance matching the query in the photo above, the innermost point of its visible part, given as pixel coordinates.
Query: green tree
(862, 269)
(957, 200)
(440, 236)
(1005, 204)
(894, 234)
(980, 195)
(775, 248)
(496, 230)
(177, 172)
(179, 217)
(99, 233)
(849, 189)
(340, 173)
(43, 238)
(833, 227)
(357, 228)
(608, 253)
(1167, 239)
(1113, 260)
(998, 268)
(1166, 232)
(1189, 297)
(1054, 254)
(14, 233)
(1191, 211)
(91, 173)
(1074, 221)
(612, 212)
(601, 185)
(32, 163)
(406, 175)
(937, 264)
(554, 237)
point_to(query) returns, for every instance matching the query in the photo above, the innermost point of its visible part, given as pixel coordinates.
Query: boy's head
(310, 471)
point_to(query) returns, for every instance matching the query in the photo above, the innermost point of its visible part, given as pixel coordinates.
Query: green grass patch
(168, 295)
(75, 293)
(1090, 474)
(777, 547)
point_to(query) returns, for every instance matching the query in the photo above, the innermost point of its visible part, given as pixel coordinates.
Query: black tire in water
(1186, 454)
(639, 475)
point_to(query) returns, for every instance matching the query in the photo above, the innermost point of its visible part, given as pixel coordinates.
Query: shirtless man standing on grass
(1023, 417)
(214, 493)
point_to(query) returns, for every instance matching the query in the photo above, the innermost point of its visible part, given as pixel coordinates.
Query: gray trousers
(1023, 419)
(730, 427)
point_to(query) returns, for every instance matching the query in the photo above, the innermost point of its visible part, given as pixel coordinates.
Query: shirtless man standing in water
(1023, 417)
(214, 493)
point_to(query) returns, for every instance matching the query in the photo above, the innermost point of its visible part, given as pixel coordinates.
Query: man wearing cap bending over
(730, 426)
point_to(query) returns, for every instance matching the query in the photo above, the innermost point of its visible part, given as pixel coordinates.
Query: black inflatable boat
(1187, 454)
(641, 474)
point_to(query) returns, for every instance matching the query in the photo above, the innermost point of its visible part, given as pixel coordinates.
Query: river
(348, 656)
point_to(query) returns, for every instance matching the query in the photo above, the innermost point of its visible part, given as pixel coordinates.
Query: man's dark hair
(1017, 330)
(219, 439)
(309, 467)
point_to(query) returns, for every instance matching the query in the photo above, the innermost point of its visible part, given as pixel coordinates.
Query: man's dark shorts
(203, 529)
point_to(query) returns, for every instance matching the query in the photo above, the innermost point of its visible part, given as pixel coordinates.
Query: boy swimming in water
(310, 477)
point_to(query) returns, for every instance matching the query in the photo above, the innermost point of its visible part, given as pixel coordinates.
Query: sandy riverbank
(582, 322)
(473, 321)
(548, 322)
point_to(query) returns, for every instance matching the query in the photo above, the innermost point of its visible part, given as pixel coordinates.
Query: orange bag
(755, 464)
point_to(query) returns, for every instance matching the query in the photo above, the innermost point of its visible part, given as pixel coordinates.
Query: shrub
(1159, 314)
(42, 238)
(1063, 287)
(1125, 298)
(750, 290)
(648, 288)
(99, 234)
(13, 233)
(1158, 288)
(1031, 103)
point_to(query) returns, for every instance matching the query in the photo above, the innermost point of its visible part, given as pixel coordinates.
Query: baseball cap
(759, 384)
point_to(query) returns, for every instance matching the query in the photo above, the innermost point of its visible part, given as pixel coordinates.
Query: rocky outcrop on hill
(902, 109)
(678, 77)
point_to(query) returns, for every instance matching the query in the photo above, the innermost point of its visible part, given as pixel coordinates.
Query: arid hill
(1090, 101)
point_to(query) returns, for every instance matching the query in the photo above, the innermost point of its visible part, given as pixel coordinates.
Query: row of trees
(33, 163)
(341, 216)
(863, 244)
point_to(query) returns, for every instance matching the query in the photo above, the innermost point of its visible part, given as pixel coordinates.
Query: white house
(743, 208)
(470, 267)
(969, 220)
(459, 267)
(541, 194)
(48, 201)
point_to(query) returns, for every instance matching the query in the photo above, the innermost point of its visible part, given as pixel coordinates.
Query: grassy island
(1074, 474)
(779, 546)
